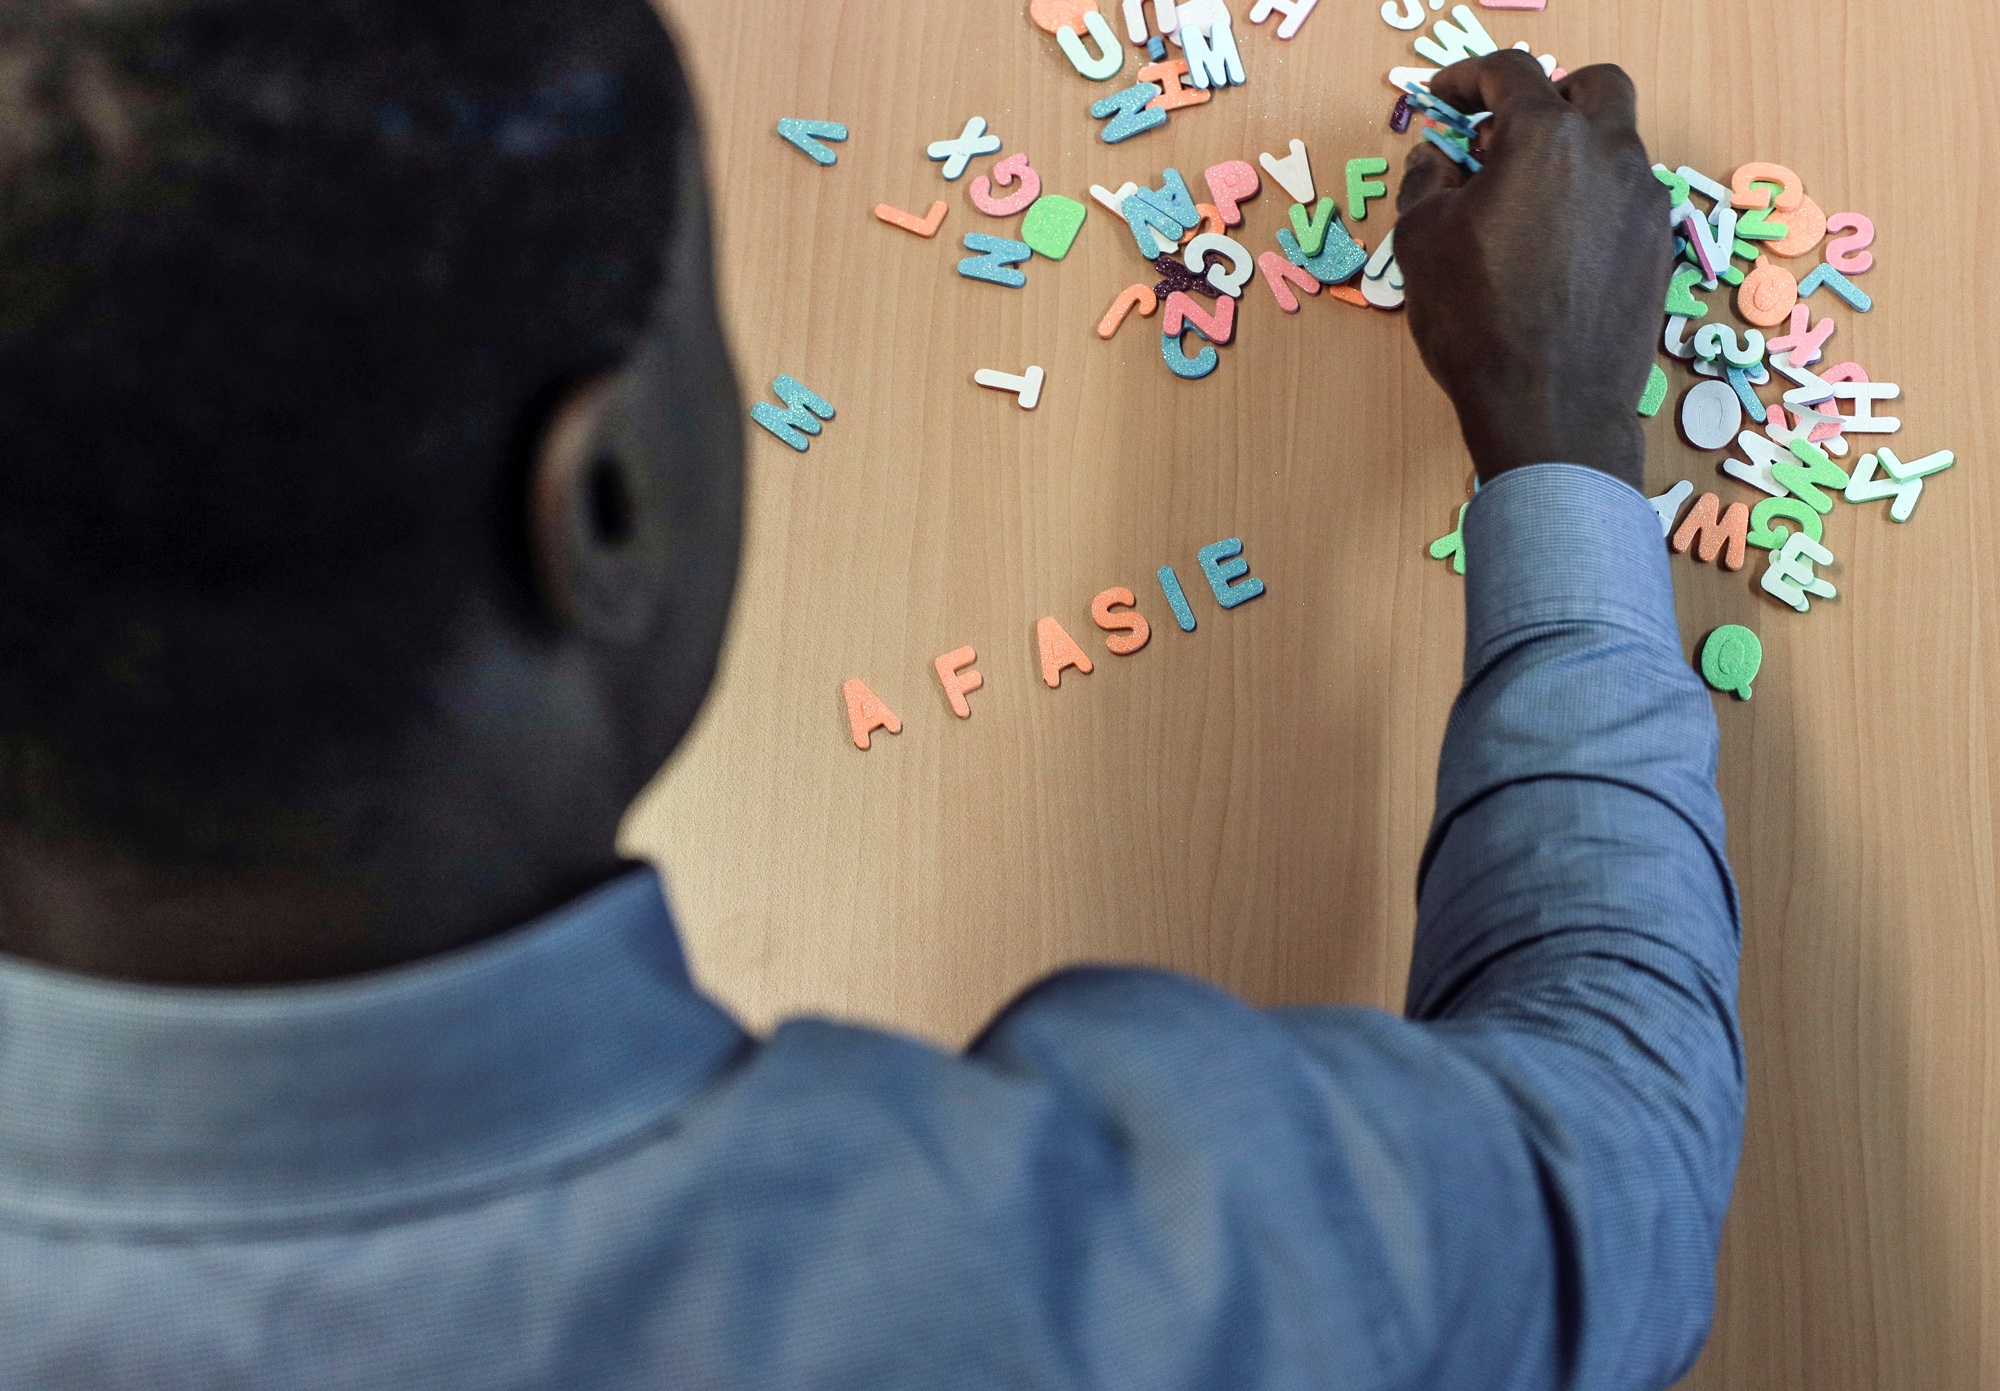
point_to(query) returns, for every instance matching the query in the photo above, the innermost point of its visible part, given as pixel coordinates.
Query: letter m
(1213, 59)
(801, 405)
(1708, 530)
(1450, 44)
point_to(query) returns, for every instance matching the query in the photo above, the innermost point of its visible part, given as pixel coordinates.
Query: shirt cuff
(1562, 543)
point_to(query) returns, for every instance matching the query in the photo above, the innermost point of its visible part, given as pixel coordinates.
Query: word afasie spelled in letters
(1115, 611)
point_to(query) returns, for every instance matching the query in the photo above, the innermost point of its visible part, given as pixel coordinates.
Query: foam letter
(1229, 183)
(956, 154)
(1135, 631)
(1241, 267)
(1667, 505)
(1110, 53)
(1812, 471)
(1744, 194)
(1850, 254)
(1277, 271)
(1338, 262)
(801, 133)
(1907, 480)
(1709, 529)
(1128, 112)
(1468, 40)
(1172, 95)
(1140, 297)
(1825, 274)
(1864, 421)
(801, 405)
(955, 674)
(1212, 58)
(1191, 369)
(1166, 211)
(996, 255)
(1223, 562)
(1411, 16)
(1767, 537)
(1309, 229)
(1058, 650)
(1803, 345)
(1294, 12)
(1173, 198)
(1183, 311)
(1005, 172)
(866, 713)
(1764, 458)
(1293, 172)
(1790, 576)
(1170, 583)
(1361, 187)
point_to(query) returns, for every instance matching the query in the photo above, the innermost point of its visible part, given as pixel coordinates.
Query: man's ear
(592, 523)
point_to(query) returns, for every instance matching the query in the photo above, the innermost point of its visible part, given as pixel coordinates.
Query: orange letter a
(866, 713)
(1059, 650)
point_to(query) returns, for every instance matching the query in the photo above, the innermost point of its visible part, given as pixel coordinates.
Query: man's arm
(1136, 1180)
(1525, 1185)
(1578, 927)
(1139, 1181)
(1578, 930)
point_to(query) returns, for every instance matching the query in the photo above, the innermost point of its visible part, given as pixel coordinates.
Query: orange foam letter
(958, 679)
(1140, 297)
(1744, 194)
(1712, 528)
(1172, 95)
(1059, 650)
(1135, 630)
(866, 712)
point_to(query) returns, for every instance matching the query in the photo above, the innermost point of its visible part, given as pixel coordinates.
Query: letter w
(1469, 40)
(786, 424)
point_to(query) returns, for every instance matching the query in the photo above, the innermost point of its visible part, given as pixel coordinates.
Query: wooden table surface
(1247, 802)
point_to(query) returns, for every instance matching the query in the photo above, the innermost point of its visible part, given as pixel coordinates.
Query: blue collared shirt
(548, 1161)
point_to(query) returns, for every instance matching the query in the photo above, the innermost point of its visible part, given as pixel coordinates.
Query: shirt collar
(175, 1108)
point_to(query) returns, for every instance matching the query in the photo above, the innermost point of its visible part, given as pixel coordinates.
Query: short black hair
(283, 284)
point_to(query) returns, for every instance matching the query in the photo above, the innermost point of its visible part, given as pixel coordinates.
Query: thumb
(1428, 174)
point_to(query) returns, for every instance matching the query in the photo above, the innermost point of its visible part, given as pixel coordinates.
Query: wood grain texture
(1247, 802)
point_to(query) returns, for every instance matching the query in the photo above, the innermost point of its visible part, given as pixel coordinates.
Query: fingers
(1604, 94)
(1426, 173)
(1506, 83)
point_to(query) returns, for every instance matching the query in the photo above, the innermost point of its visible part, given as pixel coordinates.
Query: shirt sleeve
(1578, 926)
(1521, 1183)
(1133, 1179)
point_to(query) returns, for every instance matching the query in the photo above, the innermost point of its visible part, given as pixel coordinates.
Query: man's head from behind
(369, 468)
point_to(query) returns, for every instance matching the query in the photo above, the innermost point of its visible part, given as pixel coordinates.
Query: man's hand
(1535, 286)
